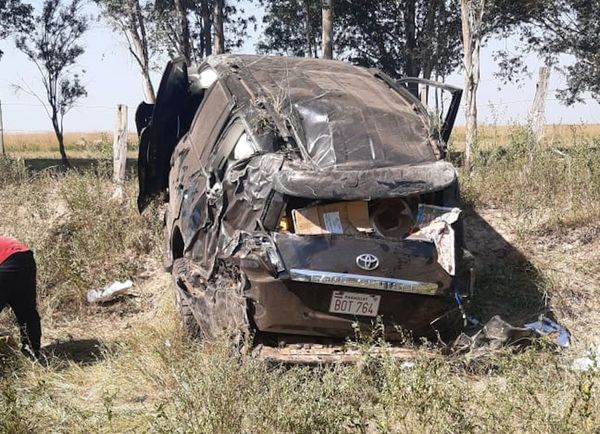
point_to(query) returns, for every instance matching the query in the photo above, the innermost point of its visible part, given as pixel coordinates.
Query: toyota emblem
(368, 262)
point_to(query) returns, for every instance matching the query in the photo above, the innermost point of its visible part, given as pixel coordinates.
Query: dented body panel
(269, 136)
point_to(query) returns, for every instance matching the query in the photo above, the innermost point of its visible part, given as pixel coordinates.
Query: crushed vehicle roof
(348, 132)
(344, 116)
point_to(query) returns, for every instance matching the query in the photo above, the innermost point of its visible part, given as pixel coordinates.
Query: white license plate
(353, 303)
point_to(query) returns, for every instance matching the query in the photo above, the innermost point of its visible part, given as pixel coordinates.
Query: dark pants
(17, 290)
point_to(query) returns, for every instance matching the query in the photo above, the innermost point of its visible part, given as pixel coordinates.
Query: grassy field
(533, 222)
(43, 145)
(555, 135)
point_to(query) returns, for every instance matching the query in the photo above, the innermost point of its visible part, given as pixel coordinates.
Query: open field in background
(489, 136)
(532, 223)
(78, 145)
(557, 135)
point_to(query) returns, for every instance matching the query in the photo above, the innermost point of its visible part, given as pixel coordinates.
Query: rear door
(159, 137)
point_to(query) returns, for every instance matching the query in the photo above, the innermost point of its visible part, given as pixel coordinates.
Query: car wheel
(183, 302)
(214, 309)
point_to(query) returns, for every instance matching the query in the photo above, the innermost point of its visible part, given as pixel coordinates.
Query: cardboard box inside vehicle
(349, 218)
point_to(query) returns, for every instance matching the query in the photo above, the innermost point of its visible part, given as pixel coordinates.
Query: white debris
(435, 225)
(407, 365)
(109, 292)
(591, 361)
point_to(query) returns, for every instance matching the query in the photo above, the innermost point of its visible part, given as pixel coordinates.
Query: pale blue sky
(112, 78)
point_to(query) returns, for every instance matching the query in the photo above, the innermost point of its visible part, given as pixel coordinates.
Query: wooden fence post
(120, 149)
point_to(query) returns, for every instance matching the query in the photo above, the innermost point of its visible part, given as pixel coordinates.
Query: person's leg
(3, 290)
(21, 283)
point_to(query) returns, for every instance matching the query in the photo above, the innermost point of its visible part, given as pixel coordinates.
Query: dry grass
(151, 379)
(82, 237)
(544, 185)
(126, 367)
(78, 145)
(493, 136)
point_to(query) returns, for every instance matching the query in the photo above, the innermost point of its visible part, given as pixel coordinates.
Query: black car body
(308, 178)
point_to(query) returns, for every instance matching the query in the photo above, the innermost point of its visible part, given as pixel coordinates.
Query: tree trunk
(149, 95)
(60, 138)
(206, 28)
(327, 8)
(471, 120)
(308, 29)
(184, 31)
(427, 70)
(428, 35)
(138, 46)
(471, 17)
(218, 23)
(411, 45)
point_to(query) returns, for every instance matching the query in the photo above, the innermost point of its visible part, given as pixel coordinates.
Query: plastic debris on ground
(109, 292)
(546, 327)
(589, 362)
(497, 333)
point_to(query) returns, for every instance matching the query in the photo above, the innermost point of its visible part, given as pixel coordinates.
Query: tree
(183, 30)
(291, 27)
(202, 17)
(403, 37)
(206, 26)
(472, 28)
(219, 47)
(14, 17)
(482, 18)
(129, 17)
(327, 13)
(54, 49)
(552, 28)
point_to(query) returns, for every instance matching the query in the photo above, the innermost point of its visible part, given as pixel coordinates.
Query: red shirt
(8, 247)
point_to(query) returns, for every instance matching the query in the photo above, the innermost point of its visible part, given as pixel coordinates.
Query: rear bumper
(416, 294)
(296, 307)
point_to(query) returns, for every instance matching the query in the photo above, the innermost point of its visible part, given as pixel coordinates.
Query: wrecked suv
(305, 197)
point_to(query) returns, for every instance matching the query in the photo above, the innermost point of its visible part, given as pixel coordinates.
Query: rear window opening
(390, 218)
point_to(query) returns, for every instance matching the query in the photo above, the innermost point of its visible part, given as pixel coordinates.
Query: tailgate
(408, 266)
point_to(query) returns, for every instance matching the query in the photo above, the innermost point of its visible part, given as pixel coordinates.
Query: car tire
(215, 308)
(183, 303)
(188, 322)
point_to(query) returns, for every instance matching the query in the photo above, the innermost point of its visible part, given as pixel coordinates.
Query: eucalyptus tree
(198, 28)
(130, 18)
(403, 38)
(327, 13)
